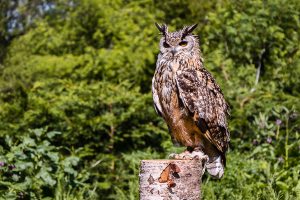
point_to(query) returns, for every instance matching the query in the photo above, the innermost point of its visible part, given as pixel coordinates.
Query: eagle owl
(188, 98)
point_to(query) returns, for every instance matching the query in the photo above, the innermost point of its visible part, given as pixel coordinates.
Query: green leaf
(51, 134)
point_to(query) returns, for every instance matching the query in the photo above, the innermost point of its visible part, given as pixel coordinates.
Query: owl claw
(186, 155)
(173, 156)
(199, 155)
(182, 156)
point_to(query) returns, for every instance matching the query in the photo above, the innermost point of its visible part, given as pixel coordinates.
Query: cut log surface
(171, 179)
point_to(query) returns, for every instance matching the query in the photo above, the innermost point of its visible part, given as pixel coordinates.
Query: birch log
(171, 179)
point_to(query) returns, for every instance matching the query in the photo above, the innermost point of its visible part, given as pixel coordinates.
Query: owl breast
(181, 125)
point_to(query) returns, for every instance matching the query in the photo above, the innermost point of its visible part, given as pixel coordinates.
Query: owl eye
(166, 45)
(183, 43)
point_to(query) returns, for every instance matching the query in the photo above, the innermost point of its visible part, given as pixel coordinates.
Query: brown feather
(203, 97)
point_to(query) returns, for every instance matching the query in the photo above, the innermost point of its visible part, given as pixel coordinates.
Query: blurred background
(76, 114)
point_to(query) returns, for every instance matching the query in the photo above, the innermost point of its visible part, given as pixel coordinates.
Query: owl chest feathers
(181, 124)
(166, 85)
(167, 89)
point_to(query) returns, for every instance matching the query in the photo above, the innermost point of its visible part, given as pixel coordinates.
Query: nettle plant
(277, 141)
(31, 166)
(277, 135)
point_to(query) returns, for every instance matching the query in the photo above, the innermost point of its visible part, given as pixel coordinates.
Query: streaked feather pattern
(204, 99)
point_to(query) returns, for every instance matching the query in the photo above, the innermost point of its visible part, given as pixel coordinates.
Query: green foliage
(76, 107)
(33, 167)
(248, 177)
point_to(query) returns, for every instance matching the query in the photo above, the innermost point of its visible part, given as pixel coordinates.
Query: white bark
(171, 179)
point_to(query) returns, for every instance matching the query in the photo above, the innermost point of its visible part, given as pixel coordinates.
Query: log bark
(171, 179)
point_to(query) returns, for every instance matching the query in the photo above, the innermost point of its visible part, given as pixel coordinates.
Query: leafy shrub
(79, 79)
(33, 167)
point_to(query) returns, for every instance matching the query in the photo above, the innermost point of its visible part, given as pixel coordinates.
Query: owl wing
(204, 99)
(156, 101)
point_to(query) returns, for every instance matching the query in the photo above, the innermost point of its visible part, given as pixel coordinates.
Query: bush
(76, 107)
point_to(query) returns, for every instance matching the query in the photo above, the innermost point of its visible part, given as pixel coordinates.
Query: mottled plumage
(188, 98)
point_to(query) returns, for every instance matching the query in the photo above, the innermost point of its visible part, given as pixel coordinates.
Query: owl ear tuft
(162, 28)
(188, 30)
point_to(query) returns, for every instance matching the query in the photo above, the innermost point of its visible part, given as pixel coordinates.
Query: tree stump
(171, 179)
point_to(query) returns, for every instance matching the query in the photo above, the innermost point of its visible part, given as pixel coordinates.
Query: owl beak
(173, 51)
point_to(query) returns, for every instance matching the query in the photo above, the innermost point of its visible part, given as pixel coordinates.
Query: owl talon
(173, 156)
(180, 156)
(186, 155)
(198, 155)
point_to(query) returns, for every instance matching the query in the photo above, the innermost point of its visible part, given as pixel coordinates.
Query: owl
(189, 100)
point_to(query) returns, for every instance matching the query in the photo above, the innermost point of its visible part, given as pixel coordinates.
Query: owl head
(178, 42)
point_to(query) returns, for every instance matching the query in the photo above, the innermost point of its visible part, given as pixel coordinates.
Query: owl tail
(215, 167)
